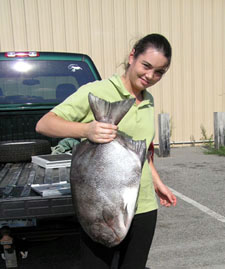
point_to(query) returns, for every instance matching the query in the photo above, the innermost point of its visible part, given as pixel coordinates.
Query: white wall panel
(6, 29)
(71, 25)
(58, 25)
(109, 38)
(84, 27)
(45, 25)
(19, 24)
(32, 25)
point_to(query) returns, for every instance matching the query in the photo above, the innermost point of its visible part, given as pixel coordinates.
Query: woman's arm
(54, 126)
(167, 198)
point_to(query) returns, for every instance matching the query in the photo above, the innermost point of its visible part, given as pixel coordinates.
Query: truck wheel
(22, 150)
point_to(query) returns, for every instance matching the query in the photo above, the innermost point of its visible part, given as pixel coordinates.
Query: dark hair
(155, 41)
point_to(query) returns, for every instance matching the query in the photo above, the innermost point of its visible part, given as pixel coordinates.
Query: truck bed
(19, 201)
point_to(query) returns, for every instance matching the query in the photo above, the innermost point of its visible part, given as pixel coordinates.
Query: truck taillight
(13, 54)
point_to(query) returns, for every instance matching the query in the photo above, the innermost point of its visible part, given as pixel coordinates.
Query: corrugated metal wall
(193, 88)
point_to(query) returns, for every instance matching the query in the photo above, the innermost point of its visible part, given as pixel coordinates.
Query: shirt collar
(116, 80)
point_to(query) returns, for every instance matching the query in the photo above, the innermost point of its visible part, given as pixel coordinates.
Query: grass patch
(212, 150)
(209, 144)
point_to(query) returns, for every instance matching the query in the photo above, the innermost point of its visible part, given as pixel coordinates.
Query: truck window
(36, 81)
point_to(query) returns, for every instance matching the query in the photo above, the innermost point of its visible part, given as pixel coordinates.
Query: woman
(148, 62)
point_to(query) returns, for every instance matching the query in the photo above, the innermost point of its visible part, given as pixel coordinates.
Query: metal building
(193, 88)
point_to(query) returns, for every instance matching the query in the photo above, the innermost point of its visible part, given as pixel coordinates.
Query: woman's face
(147, 69)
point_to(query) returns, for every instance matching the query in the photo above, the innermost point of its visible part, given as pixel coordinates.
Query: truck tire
(22, 150)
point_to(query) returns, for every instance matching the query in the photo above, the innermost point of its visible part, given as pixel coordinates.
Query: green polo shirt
(137, 123)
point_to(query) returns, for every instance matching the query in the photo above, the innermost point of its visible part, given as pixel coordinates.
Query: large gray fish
(105, 178)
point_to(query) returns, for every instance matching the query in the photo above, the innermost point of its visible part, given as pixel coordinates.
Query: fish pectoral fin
(125, 216)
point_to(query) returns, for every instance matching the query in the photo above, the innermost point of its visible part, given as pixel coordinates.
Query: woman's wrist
(84, 130)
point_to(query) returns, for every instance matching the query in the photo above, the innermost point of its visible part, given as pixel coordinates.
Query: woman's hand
(100, 132)
(166, 197)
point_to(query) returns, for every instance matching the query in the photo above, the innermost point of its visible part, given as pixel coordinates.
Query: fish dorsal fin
(138, 146)
(109, 112)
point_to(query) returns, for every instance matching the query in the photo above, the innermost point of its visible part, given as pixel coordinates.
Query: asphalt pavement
(190, 235)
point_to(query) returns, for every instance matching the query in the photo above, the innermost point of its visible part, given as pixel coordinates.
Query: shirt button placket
(137, 112)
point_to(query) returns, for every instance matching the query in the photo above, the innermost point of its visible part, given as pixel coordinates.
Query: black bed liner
(19, 201)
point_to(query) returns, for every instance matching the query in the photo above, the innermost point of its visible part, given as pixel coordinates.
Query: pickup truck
(31, 84)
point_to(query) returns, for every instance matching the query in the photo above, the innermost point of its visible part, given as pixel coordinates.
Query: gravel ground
(191, 235)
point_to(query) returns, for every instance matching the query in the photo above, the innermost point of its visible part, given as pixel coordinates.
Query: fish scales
(105, 178)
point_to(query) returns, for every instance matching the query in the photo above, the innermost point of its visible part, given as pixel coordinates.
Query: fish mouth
(116, 240)
(117, 236)
(106, 234)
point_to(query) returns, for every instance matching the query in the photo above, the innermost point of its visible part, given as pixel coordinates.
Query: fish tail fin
(109, 112)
